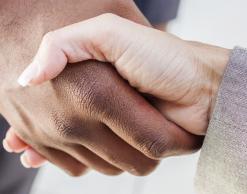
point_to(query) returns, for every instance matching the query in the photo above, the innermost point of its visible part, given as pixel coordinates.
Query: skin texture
(85, 117)
(184, 75)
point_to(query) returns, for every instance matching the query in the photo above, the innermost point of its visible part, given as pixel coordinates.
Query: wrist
(212, 62)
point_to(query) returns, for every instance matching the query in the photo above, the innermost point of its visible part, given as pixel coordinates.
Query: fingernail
(24, 161)
(6, 146)
(28, 75)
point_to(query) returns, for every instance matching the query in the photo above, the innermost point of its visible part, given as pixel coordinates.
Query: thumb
(70, 44)
(96, 38)
(56, 50)
(47, 64)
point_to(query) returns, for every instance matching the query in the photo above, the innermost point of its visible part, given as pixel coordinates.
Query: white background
(220, 22)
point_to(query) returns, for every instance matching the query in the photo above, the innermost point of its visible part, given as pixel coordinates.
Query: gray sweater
(222, 167)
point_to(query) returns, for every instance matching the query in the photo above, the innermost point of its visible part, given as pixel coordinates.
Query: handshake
(109, 94)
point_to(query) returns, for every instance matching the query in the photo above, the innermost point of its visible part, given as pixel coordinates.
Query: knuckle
(100, 100)
(94, 91)
(63, 129)
(155, 146)
(69, 129)
(49, 39)
(95, 97)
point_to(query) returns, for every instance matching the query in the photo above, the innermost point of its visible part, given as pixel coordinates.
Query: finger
(133, 119)
(107, 145)
(149, 132)
(13, 143)
(32, 159)
(74, 162)
(63, 160)
(93, 161)
(59, 158)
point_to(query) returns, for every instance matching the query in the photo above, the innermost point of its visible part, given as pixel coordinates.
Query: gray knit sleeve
(222, 167)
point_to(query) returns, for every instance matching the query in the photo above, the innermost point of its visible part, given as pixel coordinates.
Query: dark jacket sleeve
(3, 127)
(159, 11)
(14, 179)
